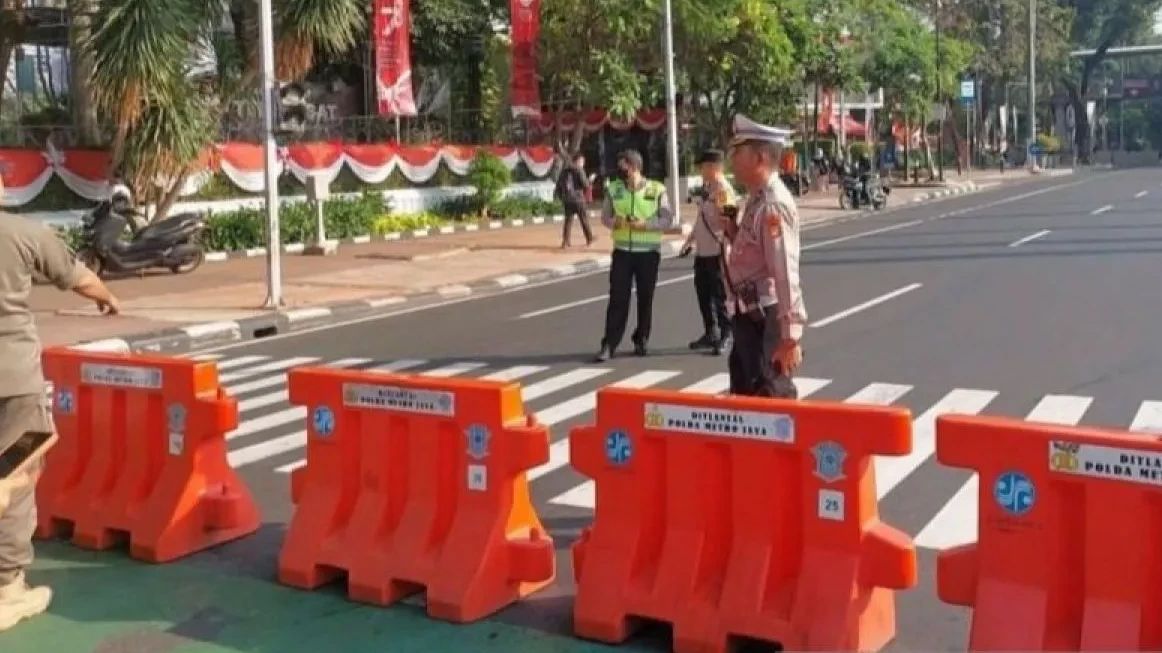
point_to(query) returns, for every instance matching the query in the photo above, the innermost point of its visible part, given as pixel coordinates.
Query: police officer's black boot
(723, 344)
(705, 342)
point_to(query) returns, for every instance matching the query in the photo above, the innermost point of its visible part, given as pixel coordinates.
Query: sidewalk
(222, 301)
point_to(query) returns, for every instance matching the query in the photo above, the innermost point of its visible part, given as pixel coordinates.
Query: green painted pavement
(107, 603)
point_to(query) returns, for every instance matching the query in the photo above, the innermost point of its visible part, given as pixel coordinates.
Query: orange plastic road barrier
(739, 518)
(1068, 552)
(416, 482)
(142, 452)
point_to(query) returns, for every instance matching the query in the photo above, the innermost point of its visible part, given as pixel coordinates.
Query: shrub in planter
(489, 176)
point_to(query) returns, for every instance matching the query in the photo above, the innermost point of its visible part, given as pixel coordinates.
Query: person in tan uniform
(762, 270)
(28, 249)
(715, 196)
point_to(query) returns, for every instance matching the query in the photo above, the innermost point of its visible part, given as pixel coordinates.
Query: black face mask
(622, 175)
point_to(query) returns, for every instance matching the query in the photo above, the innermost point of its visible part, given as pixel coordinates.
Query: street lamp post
(269, 98)
(671, 105)
(1032, 84)
(939, 97)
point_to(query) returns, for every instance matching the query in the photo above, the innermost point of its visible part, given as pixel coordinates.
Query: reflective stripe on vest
(640, 205)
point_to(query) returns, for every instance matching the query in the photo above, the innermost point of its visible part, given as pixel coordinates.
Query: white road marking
(585, 495)
(862, 234)
(1142, 194)
(892, 470)
(715, 384)
(1030, 237)
(400, 365)
(455, 369)
(866, 305)
(559, 450)
(231, 363)
(271, 398)
(956, 522)
(276, 366)
(1105, 209)
(514, 373)
(1148, 418)
(596, 298)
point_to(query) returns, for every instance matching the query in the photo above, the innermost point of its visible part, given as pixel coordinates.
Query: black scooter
(170, 244)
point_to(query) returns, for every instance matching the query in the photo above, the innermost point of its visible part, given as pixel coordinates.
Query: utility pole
(671, 106)
(269, 97)
(939, 97)
(1032, 83)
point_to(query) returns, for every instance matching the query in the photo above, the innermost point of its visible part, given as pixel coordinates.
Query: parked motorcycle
(797, 183)
(170, 244)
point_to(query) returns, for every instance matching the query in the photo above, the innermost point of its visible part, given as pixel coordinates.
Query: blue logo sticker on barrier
(324, 421)
(65, 403)
(478, 437)
(177, 418)
(618, 447)
(829, 458)
(1015, 493)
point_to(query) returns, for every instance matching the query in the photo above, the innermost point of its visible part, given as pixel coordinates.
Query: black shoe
(603, 355)
(705, 342)
(723, 345)
(639, 349)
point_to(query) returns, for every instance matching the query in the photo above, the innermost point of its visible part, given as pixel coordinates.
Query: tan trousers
(18, 415)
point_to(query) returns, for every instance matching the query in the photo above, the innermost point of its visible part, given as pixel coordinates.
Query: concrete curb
(194, 337)
(431, 232)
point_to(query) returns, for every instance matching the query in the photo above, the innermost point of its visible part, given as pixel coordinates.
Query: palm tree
(141, 81)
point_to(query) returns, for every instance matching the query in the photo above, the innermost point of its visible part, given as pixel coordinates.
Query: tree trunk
(170, 197)
(12, 26)
(81, 71)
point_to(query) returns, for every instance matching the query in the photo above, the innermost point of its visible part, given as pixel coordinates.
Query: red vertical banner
(526, 27)
(826, 111)
(393, 67)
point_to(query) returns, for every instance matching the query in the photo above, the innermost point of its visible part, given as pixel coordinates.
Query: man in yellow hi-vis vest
(639, 212)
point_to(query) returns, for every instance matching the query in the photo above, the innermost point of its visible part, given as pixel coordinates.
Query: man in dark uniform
(763, 293)
(705, 240)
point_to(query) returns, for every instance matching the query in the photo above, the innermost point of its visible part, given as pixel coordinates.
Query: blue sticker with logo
(444, 401)
(323, 421)
(829, 458)
(65, 402)
(478, 437)
(618, 448)
(784, 428)
(1015, 493)
(176, 416)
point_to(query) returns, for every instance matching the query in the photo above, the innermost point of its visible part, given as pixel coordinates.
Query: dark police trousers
(711, 295)
(629, 269)
(752, 370)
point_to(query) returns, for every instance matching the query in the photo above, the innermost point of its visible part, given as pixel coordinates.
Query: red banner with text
(393, 67)
(526, 27)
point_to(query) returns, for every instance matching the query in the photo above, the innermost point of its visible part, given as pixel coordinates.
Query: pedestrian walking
(573, 190)
(762, 271)
(705, 240)
(638, 212)
(28, 249)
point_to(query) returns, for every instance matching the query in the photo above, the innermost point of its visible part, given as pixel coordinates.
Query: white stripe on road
(1148, 418)
(514, 373)
(270, 421)
(559, 450)
(879, 394)
(400, 365)
(712, 385)
(585, 494)
(862, 234)
(956, 523)
(1105, 209)
(1142, 194)
(231, 363)
(271, 398)
(276, 366)
(1031, 237)
(596, 298)
(892, 470)
(866, 305)
(455, 369)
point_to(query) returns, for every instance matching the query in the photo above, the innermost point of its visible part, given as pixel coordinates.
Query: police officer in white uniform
(762, 271)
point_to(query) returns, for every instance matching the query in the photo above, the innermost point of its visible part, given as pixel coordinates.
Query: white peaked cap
(746, 129)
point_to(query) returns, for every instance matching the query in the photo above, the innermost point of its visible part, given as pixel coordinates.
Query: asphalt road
(1036, 301)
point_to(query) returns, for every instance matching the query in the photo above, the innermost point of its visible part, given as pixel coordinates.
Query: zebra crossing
(271, 436)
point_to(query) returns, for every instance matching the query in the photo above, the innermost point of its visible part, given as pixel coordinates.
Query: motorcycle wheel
(190, 265)
(90, 260)
(845, 201)
(879, 205)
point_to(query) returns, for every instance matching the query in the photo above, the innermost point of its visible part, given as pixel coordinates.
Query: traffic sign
(1035, 149)
(967, 90)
